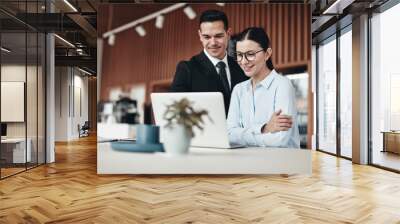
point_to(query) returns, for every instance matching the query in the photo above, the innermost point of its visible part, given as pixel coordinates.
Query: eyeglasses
(250, 55)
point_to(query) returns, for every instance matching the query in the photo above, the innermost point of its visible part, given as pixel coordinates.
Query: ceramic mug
(147, 134)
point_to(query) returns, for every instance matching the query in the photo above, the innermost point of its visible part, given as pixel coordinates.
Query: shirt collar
(266, 82)
(216, 60)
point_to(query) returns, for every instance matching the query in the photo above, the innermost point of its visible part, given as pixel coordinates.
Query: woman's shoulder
(283, 80)
(283, 83)
(241, 85)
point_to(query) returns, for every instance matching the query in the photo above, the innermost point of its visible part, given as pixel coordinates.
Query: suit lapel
(207, 64)
(209, 71)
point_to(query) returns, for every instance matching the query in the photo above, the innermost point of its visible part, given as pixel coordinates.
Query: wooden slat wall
(134, 59)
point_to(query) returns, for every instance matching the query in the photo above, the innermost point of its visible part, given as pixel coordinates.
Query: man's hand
(278, 122)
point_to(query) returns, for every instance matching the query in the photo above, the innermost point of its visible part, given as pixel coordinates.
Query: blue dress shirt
(249, 110)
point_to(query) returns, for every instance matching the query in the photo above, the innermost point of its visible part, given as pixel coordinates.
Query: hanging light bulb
(220, 4)
(160, 21)
(111, 40)
(141, 31)
(189, 12)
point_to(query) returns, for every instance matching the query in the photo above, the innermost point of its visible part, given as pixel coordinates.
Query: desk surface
(205, 161)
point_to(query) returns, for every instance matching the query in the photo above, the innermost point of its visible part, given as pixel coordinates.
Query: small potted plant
(182, 119)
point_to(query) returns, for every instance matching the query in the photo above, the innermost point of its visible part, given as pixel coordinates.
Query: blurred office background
(356, 81)
(48, 79)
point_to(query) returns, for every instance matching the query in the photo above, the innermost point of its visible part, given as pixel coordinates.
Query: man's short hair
(212, 16)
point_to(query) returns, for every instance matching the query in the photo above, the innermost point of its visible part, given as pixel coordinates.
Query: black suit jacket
(199, 75)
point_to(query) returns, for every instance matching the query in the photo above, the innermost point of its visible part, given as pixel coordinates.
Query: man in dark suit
(212, 70)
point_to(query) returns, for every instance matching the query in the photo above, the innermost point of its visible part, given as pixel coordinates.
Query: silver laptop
(214, 134)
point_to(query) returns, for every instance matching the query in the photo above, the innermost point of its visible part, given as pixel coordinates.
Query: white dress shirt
(215, 62)
(249, 111)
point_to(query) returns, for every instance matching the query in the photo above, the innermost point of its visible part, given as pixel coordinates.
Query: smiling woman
(262, 110)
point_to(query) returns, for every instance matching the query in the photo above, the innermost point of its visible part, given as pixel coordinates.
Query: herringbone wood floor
(70, 191)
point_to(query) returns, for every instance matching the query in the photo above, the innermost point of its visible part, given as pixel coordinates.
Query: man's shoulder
(232, 59)
(233, 64)
(191, 67)
(198, 57)
(193, 61)
(236, 71)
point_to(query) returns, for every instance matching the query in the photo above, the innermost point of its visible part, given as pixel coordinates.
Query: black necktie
(224, 78)
(226, 89)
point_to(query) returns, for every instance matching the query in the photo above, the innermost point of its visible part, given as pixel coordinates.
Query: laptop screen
(215, 132)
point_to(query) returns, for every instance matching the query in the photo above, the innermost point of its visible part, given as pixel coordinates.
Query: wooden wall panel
(134, 59)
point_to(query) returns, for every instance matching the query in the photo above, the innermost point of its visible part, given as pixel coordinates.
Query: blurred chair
(84, 130)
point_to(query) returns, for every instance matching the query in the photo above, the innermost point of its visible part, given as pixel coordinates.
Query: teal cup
(147, 134)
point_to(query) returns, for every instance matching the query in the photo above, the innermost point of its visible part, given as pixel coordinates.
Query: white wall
(80, 112)
(13, 72)
(61, 103)
(71, 102)
(12, 101)
(33, 125)
(16, 73)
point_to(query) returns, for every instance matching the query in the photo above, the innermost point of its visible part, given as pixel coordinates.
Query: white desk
(205, 161)
(18, 152)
